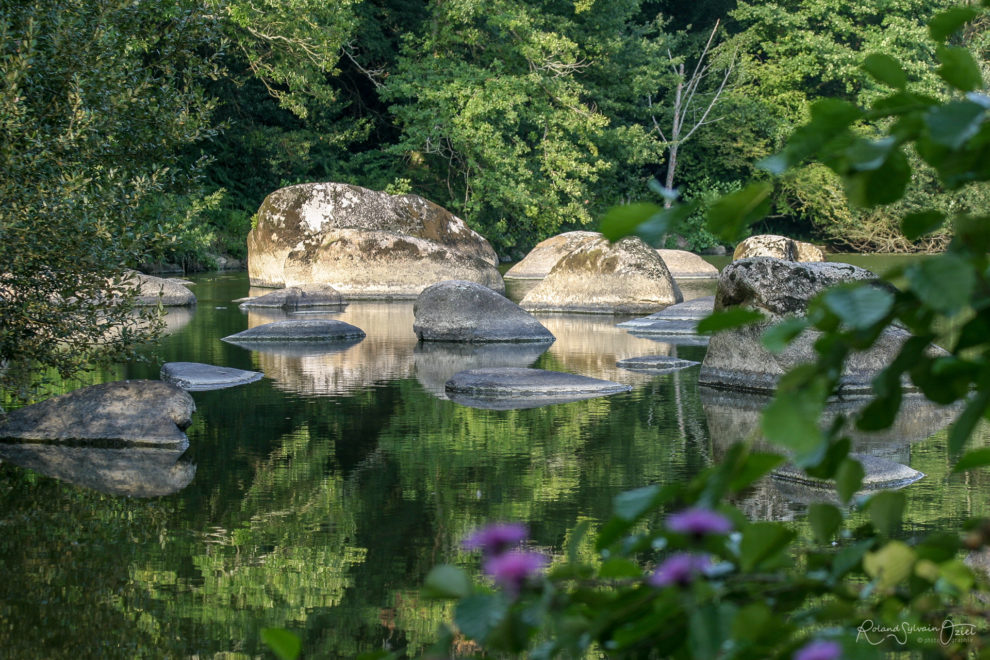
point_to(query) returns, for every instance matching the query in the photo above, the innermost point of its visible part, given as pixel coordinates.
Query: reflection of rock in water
(132, 471)
(385, 354)
(177, 318)
(734, 417)
(591, 345)
(436, 362)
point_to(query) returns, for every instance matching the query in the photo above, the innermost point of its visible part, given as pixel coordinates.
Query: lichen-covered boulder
(778, 247)
(457, 310)
(542, 258)
(363, 243)
(627, 277)
(684, 265)
(132, 412)
(307, 296)
(780, 289)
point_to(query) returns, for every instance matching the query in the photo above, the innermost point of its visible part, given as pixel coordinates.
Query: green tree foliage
(99, 106)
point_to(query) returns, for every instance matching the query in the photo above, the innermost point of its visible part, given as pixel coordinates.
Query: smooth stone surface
(459, 311)
(627, 277)
(880, 474)
(197, 377)
(364, 243)
(152, 290)
(130, 471)
(687, 265)
(509, 388)
(779, 289)
(133, 412)
(655, 363)
(307, 296)
(691, 310)
(436, 362)
(308, 331)
(778, 247)
(542, 258)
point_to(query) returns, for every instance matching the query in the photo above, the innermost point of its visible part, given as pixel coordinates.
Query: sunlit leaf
(959, 69)
(446, 582)
(944, 282)
(733, 317)
(954, 123)
(730, 215)
(859, 306)
(890, 564)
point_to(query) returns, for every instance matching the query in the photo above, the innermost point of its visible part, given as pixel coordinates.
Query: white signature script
(876, 634)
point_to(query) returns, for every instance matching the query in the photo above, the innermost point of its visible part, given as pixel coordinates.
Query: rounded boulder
(461, 311)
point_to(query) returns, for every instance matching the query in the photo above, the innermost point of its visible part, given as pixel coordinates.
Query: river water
(318, 498)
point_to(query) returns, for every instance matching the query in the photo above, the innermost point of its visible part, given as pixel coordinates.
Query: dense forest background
(524, 118)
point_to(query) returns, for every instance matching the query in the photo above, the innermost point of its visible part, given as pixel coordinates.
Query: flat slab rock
(309, 331)
(655, 363)
(507, 388)
(130, 412)
(197, 377)
(692, 310)
(298, 297)
(881, 474)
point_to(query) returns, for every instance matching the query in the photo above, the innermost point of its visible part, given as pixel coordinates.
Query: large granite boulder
(293, 298)
(780, 289)
(684, 265)
(778, 247)
(132, 412)
(542, 258)
(459, 311)
(627, 277)
(364, 243)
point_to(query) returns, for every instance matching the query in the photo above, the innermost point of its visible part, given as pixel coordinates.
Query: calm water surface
(318, 498)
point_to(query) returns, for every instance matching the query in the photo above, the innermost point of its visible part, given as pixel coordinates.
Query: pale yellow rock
(687, 265)
(542, 258)
(627, 277)
(778, 247)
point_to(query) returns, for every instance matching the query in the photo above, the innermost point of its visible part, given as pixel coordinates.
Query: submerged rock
(508, 388)
(736, 359)
(691, 310)
(308, 331)
(153, 290)
(542, 258)
(778, 247)
(129, 472)
(364, 243)
(879, 474)
(627, 277)
(307, 296)
(133, 412)
(687, 265)
(655, 363)
(197, 377)
(459, 311)
(436, 362)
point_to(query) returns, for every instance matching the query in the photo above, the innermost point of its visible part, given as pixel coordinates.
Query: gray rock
(509, 388)
(314, 331)
(880, 474)
(459, 311)
(687, 265)
(542, 258)
(778, 247)
(436, 362)
(781, 289)
(307, 296)
(691, 310)
(196, 377)
(655, 363)
(627, 277)
(364, 243)
(129, 472)
(132, 412)
(152, 290)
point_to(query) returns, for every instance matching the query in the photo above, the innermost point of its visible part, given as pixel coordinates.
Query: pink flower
(496, 539)
(679, 569)
(511, 569)
(819, 649)
(698, 522)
